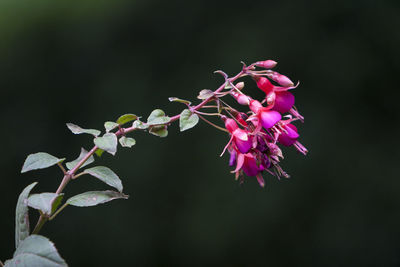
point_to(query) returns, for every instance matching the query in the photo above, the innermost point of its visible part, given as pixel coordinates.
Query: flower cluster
(255, 136)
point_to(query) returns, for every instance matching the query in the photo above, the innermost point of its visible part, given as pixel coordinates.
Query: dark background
(90, 61)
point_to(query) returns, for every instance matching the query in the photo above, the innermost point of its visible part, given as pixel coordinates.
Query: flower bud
(240, 85)
(282, 79)
(255, 106)
(267, 64)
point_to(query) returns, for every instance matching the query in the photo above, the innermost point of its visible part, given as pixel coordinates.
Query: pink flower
(289, 137)
(239, 137)
(268, 118)
(247, 162)
(267, 64)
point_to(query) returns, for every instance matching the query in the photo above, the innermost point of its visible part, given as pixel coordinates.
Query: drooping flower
(248, 164)
(289, 136)
(263, 115)
(239, 137)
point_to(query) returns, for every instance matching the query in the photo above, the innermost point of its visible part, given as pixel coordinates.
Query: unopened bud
(267, 64)
(243, 100)
(281, 79)
(240, 85)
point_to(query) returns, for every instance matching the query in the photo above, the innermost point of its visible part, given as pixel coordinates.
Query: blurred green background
(87, 62)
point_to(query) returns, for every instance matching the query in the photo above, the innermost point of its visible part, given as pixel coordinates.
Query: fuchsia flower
(263, 115)
(240, 138)
(255, 149)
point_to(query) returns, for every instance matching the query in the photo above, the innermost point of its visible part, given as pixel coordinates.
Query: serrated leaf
(126, 118)
(110, 125)
(45, 202)
(106, 175)
(108, 142)
(21, 216)
(36, 250)
(72, 164)
(183, 101)
(99, 152)
(93, 198)
(160, 131)
(205, 93)
(140, 125)
(187, 120)
(127, 141)
(39, 160)
(75, 129)
(156, 117)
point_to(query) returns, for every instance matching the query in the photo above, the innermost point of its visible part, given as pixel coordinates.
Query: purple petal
(250, 167)
(284, 101)
(269, 118)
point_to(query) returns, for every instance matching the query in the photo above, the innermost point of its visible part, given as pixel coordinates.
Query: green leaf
(156, 117)
(127, 141)
(21, 215)
(45, 202)
(105, 175)
(108, 142)
(110, 125)
(36, 250)
(187, 120)
(94, 198)
(39, 160)
(126, 118)
(160, 131)
(72, 164)
(75, 129)
(99, 152)
(140, 125)
(205, 93)
(183, 101)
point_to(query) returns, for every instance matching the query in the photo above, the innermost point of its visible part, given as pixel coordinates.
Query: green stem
(58, 211)
(212, 124)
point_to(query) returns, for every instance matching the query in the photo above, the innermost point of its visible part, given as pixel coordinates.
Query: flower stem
(212, 124)
(58, 211)
(68, 175)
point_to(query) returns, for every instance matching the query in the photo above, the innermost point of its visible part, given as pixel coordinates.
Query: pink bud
(267, 64)
(281, 79)
(240, 85)
(243, 100)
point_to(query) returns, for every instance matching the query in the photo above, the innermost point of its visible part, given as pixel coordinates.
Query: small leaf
(75, 129)
(106, 175)
(110, 125)
(140, 125)
(72, 164)
(45, 202)
(94, 198)
(126, 118)
(36, 250)
(187, 120)
(160, 131)
(205, 93)
(99, 152)
(22, 216)
(127, 141)
(107, 142)
(183, 101)
(157, 116)
(39, 160)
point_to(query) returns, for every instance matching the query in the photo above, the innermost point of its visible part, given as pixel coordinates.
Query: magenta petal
(232, 158)
(243, 146)
(242, 140)
(269, 118)
(284, 101)
(289, 137)
(292, 131)
(250, 167)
